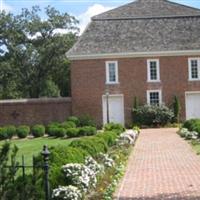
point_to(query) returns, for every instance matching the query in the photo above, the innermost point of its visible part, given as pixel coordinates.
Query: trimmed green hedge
(38, 130)
(92, 145)
(118, 128)
(23, 131)
(87, 131)
(109, 137)
(7, 132)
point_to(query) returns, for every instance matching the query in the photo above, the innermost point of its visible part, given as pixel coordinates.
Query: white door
(115, 105)
(192, 105)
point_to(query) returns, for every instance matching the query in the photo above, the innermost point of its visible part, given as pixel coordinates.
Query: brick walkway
(162, 166)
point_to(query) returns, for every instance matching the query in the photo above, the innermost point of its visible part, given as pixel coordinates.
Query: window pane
(154, 98)
(194, 69)
(153, 70)
(112, 72)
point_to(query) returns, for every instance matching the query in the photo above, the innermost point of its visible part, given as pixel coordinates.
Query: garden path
(162, 166)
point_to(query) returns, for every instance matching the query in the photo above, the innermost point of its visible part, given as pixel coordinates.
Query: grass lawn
(30, 147)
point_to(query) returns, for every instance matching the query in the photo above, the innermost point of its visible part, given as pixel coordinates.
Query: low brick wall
(34, 111)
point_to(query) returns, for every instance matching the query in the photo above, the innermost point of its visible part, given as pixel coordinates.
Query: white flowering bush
(93, 165)
(83, 176)
(183, 132)
(67, 193)
(106, 160)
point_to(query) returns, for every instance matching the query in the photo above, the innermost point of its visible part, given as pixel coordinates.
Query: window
(154, 97)
(194, 69)
(111, 72)
(153, 70)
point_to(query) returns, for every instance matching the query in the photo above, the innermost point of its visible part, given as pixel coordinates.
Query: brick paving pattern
(162, 166)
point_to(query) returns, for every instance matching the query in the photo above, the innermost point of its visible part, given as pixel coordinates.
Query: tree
(176, 109)
(32, 52)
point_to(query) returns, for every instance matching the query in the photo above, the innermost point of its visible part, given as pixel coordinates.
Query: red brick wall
(88, 83)
(34, 111)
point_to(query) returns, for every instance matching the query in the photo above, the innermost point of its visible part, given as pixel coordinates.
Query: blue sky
(82, 9)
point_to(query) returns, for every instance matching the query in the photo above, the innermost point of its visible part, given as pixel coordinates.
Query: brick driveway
(162, 166)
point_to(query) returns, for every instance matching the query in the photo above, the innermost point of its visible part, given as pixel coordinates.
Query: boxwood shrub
(3, 134)
(56, 131)
(11, 131)
(38, 130)
(74, 119)
(86, 120)
(118, 128)
(23, 131)
(109, 137)
(7, 132)
(87, 131)
(72, 132)
(68, 124)
(92, 145)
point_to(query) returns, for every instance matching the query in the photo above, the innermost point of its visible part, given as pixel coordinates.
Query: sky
(83, 10)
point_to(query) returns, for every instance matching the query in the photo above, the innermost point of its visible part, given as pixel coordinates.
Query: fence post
(45, 153)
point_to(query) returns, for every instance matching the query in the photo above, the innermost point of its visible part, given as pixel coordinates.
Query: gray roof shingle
(117, 32)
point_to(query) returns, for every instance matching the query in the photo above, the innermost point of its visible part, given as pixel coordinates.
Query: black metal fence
(22, 170)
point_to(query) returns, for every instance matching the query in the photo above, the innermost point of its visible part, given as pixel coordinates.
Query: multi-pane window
(111, 72)
(154, 97)
(194, 69)
(153, 70)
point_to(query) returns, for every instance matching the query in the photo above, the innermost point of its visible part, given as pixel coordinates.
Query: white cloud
(4, 6)
(93, 10)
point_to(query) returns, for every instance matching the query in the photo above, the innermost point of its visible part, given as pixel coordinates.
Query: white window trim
(107, 72)
(190, 69)
(157, 68)
(160, 96)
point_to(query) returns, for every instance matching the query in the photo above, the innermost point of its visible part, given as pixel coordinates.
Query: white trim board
(134, 55)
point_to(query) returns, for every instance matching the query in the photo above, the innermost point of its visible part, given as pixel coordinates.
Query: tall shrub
(176, 109)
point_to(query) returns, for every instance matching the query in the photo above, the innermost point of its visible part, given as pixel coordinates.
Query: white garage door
(192, 105)
(115, 105)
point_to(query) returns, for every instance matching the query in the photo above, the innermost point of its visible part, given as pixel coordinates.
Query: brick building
(148, 49)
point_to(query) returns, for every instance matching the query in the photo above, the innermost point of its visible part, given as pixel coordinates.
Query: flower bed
(104, 163)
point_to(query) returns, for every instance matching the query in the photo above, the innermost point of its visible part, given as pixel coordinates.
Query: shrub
(10, 130)
(67, 192)
(190, 124)
(3, 134)
(68, 124)
(136, 128)
(72, 132)
(7, 132)
(176, 109)
(23, 131)
(59, 132)
(87, 131)
(38, 130)
(74, 119)
(61, 155)
(152, 115)
(118, 128)
(86, 121)
(109, 137)
(92, 145)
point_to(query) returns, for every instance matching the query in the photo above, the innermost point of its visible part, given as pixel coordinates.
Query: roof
(148, 9)
(141, 26)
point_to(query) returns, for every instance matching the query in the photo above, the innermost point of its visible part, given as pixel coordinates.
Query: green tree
(32, 52)
(176, 109)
